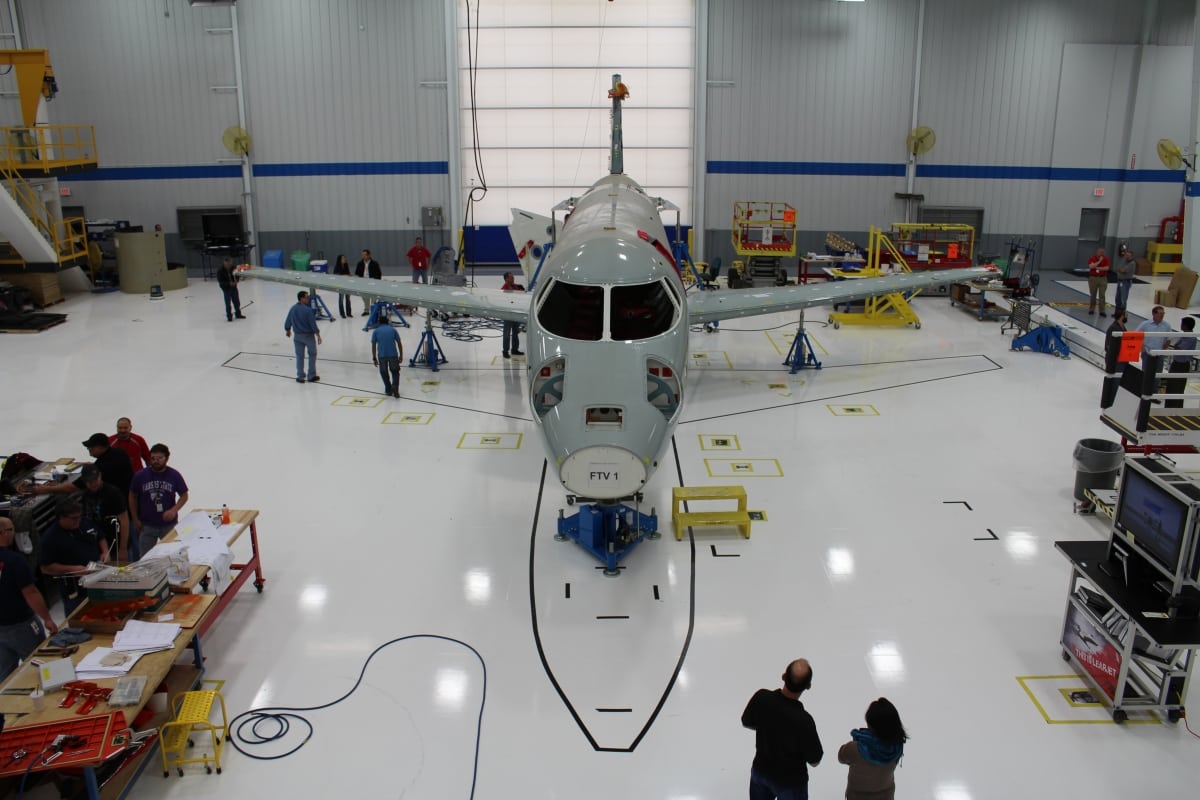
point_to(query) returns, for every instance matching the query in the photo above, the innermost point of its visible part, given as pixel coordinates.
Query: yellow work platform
(738, 518)
(1164, 257)
(192, 711)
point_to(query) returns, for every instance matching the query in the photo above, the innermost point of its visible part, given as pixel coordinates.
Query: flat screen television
(223, 228)
(1154, 520)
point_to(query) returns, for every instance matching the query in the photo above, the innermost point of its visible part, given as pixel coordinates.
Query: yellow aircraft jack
(887, 309)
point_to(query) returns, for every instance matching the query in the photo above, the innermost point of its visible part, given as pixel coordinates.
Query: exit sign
(1098, 192)
(65, 191)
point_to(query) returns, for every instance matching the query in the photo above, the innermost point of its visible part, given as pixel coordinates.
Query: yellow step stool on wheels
(191, 713)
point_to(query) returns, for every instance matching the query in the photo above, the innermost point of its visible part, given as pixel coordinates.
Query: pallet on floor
(29, 323)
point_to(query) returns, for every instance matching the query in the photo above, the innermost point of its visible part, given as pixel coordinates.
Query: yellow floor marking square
(1052, 696)
(853, 411)
(743, 467)
(719, 441)
(710, 359)
(407, 418)
(757, 516)
(349, 401)
(490, 441)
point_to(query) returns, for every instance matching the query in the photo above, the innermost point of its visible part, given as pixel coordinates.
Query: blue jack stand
(429, 352)
(801, 353)
(609, 531)
(377, 308)
(319, 306)
(1044, 339)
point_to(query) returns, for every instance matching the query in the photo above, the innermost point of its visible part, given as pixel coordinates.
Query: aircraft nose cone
(603, 472)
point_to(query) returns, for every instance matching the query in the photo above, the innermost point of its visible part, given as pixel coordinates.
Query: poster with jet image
(1092, 649)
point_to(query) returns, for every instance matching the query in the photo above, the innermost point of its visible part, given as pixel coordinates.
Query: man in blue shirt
(386, 352)
(303, 320)
(1152, 365)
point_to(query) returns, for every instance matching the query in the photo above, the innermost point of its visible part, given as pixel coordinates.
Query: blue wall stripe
(170, 173)
(968, 171)
(155, 173)
(353, 168)
(1192, 189)
(804, 168)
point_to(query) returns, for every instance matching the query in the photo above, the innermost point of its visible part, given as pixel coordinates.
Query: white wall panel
(327, 82)
(812, 80)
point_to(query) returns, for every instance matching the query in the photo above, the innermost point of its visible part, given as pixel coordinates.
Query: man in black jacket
(227, 279)
(785, 737)
(369, 267)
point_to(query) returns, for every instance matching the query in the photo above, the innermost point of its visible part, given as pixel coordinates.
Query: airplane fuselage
(607, 343)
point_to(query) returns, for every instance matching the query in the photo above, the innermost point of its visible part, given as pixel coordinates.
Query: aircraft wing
(487, 303)
(709, 306)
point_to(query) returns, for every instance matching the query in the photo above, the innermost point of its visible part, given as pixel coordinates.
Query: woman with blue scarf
(873, 753)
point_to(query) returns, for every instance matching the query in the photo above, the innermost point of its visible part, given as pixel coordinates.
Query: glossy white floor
(877, 560)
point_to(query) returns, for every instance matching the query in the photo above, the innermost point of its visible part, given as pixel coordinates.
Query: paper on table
(146, 636)
(194, 523)
(105, 662)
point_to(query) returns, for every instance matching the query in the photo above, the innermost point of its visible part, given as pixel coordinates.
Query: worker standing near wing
(509, 341)
(386, 352)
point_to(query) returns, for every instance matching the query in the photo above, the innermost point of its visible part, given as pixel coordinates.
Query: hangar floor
(913, 490)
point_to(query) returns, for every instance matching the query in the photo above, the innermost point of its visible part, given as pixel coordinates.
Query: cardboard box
(1182, 284)
(1143, 266)
(1165, 297)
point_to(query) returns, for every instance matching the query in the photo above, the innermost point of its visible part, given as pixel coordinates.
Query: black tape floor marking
(956, 502)
(229, 365)
(992, 537)
(612, 616)
(568, 594)
(687, 642)
(858, 393)
(723, 555)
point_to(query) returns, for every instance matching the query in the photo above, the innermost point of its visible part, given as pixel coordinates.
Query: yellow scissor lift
(763, 234)
(886, 309)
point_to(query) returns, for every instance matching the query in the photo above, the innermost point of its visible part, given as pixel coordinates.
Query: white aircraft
(607, 330)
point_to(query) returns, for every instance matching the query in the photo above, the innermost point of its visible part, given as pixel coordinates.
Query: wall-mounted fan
(237, 140)
(1172, 156)
(920, 140)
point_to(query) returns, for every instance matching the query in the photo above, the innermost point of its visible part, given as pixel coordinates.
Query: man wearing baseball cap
(114, 464)
(104, 504)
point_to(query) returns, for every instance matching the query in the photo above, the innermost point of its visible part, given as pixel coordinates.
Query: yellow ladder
(191, 713)
(738, 518)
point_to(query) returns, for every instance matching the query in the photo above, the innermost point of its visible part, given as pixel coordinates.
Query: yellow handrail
(68, 236)
(47, 147)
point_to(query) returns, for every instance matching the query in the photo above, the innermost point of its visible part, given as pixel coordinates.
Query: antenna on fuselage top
(617, 93)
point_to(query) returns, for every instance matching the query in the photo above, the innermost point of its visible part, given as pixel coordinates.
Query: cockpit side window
(642, 311)
(573, 311)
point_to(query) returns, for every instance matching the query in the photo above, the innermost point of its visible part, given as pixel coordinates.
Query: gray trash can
(1097, 462)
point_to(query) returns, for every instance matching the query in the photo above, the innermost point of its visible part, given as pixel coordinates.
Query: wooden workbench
(20, 715)
(241, 521)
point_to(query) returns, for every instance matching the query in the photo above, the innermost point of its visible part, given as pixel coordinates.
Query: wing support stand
(319, 306)
(801, 353)
(608, 530)
(380, 306)
(429, 352)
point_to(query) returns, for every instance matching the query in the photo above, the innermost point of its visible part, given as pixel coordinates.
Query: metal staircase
(32, 228)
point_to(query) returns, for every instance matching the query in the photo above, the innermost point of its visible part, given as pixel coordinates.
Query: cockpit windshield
(642, 311)
(573, 311)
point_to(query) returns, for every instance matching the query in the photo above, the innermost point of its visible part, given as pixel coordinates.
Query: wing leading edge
(712, 306)
(487, 303)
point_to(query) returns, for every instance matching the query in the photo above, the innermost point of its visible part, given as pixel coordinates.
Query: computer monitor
(1154, 520)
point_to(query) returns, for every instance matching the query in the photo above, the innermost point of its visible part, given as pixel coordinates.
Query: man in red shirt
(418, 256)
(1097, 280)
(131, 444)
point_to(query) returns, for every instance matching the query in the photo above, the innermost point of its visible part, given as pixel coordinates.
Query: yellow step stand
(191, 713)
